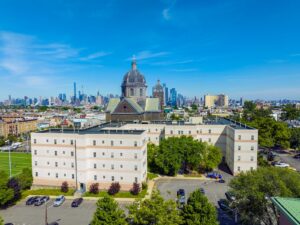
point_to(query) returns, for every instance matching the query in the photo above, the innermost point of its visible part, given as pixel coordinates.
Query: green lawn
(18, 162)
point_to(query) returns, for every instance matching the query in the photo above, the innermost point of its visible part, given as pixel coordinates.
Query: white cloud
(148, 54)
(95, 55)
(166, 12)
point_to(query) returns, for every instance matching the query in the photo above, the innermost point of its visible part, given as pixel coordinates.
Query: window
(72, 165)
(121, 166)
(179, 132)
(64, 163)
(35, 163)
(135, 155)
(141, 92)
(36, 174)
(171, 132)
(103, 153)
(209, 131)
(121, 154)
(55, 141)
(135, 179)
(112, 167)
(35, 152)
(94, 142)
(48, 163)
(71, 142)
(103, 165)
(240, 137)
(55, 152)
(121, 178)
(121, 142)
(111, 143)
(239, 168)
(95, 166)
(239, 147)
(95, 177)
(252, 148)
(56, 164)
(251, 168)
(239, 158)
(135, 167)
(64, 174)
(56, 175)
(72, 176)
(252, 137)
(47, 140)
(197, 131)
(135, 144)
(34, 141)
(63, 141)
(64, 152)
(72, 154)
(190, 132)
(103, 142)
(209, 139)
(112, 178)
(48, 174)
(94, 154)
(112, 155)
(252, 158)
(131, 92)
(103, 177)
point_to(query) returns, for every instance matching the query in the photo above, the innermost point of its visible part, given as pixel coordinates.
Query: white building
(118, 152)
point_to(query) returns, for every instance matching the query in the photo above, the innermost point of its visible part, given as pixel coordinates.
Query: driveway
(287, 158)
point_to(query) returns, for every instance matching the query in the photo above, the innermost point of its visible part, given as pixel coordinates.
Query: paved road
(213, 190)
(287, 158)
(21, 214)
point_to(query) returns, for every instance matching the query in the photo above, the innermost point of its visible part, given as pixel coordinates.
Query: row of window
(239, 168)
(240, 158)
(240, 148)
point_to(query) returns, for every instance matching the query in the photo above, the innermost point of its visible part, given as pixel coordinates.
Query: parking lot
(21, 214)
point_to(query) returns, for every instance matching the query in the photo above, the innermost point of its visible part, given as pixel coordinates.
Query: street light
(9, 158)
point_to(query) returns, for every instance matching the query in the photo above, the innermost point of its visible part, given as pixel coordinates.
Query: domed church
(134, 103)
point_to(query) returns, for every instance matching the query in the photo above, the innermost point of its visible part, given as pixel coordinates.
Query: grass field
(18, 162)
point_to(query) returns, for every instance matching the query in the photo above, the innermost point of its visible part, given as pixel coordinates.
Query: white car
(282, 165)
(59, 200)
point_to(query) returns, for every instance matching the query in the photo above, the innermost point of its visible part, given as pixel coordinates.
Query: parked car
(32, 200)
(181, 197)
(221, 181)
(76, 202)
(202, 191)
(297, 156)
(41, 200)
(223, 204)
(281, 164)
(230, 196)
(59, 200)
(181, 192)
(53, 223)
(214, 175)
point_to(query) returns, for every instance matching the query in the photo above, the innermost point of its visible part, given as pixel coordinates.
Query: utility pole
(9, 158)
(46, 213)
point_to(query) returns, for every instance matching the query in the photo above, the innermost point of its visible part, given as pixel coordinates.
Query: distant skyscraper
(75, 92)
(158, 92)
(166, 94)
(241, 102)
(173, 95)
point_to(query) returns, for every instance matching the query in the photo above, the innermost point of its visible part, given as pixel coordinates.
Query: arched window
(141, 92)
(131, 92)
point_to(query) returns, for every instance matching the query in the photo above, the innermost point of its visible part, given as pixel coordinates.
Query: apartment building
(216, 101)
(118, 152)
(89, 156)
(16, 126)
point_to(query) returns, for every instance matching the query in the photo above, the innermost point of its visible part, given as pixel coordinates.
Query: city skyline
(197, 48)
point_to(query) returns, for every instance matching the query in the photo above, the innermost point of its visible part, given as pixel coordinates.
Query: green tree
(108, 213)
(199, 211)
(25, 178)
(253, 190)
(154, 211)
(295, 138)
(6, 194)
(290, 112)
(212, 157)
(1, 221)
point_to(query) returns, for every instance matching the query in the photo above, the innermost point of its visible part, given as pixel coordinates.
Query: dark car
(297, 156)
(53, 223)
(214, 175)
(76, 202)
(230, 196)
(202, 191)
(32, 200)
(180, 192)
(41, 200)
(8, 224)
(223, 204)
(222, 181)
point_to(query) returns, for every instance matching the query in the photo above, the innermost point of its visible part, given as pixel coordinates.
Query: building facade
(158, 92)
(216, 101)
(16, 126)
(118, 153)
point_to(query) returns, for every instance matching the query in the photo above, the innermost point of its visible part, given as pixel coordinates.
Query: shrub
(114, 188)
(13, 183)
(144, 185)
(94, 188)
(25, 178)
(64, 187)
(135, 189)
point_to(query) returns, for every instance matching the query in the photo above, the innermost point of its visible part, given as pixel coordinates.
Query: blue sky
(248, 48)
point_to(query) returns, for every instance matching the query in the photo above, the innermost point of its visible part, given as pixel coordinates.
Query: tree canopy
(253, 190)
(183, 152)
(154, 211)
(199, 211)
(290, 112)
(108, 213)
